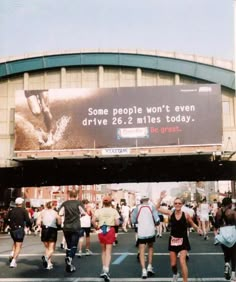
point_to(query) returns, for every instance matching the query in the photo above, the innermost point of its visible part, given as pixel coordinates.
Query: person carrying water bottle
(105, 219)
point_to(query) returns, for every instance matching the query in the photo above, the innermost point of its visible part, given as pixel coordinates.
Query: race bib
(176, 241)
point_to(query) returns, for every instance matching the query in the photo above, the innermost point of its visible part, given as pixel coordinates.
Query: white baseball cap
(19, 201)
(144, 197)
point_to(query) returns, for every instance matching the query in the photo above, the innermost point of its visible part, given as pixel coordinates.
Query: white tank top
(49, 218)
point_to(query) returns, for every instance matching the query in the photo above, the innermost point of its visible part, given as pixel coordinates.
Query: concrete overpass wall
(105, 75)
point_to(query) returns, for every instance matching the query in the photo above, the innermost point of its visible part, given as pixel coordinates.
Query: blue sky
(202, 27)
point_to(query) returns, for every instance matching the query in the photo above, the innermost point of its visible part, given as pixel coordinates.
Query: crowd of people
(149, 219)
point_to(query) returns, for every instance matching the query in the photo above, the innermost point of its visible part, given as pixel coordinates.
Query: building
(96, 69)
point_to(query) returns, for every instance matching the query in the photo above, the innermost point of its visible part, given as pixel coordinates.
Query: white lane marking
(115, 254)
(95, 279)
(120, 258)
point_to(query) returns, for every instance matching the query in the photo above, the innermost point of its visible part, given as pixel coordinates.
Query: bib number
(176, 241)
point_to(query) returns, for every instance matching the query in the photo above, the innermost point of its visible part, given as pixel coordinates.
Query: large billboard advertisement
(126, 117)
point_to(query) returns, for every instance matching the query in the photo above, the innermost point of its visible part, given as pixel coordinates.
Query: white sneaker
(69, 266)
(227, 271)
(106, 277)
(233, 276)
(150, 271)
(175, 277)
(45, 261)
(88, 252)
(144, 273)
(13, 264)
(50, 266)
(79, 254)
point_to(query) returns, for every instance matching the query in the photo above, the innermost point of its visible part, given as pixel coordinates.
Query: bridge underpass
(95, 170)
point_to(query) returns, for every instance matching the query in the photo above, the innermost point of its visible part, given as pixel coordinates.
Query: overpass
(115, 68)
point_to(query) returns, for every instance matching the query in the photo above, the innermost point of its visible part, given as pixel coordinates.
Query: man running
(72, 210)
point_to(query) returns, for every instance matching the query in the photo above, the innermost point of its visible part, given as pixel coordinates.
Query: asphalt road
(205, 264)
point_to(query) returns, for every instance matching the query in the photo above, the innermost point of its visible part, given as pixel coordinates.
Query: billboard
(126, 117)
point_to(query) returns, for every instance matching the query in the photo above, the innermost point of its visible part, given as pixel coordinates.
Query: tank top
(178, 227)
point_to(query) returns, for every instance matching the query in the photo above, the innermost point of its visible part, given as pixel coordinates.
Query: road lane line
(114, 254)
(120, 258)
(95, 279)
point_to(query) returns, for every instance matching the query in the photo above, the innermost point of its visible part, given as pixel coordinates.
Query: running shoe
(88, 252)
(50, 266)
(45, 261)
(106, 277)
(13, 264)
(233, 276)
(150, 271)
(79, 254)
(144, 273)
(69, 266)
(175, 277)
(227, 271)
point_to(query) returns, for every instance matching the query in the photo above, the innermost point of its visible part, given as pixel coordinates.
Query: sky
(201, 27)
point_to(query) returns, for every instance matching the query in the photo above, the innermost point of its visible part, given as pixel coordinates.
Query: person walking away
(178, 240)
(85, 229)
(72, 210)
(146, 217)
(125, 212)
(48, 220)
(105, 219)
(160, 227)
(17, 218)
(225, 222)
(204, 210)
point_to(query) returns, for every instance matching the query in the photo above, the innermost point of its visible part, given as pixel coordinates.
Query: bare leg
(150, 253)
(142, 255)
(16, 248)
(183, 265)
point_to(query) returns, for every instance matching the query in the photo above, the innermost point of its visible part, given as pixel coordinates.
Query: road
(205, 264)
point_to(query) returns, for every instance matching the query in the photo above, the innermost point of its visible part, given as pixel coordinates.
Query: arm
(39, 220)
(95, 220)
(158, 205)
(27, 219)
(191, 222)
(117, 219)
(58, 218)
(134, 215)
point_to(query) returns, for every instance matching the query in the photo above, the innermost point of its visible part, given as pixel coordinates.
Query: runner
(48, 220)
(178, 241)
(146, 217)
(72, 210)
(17, 219)
(105, 219)
(226, 222)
